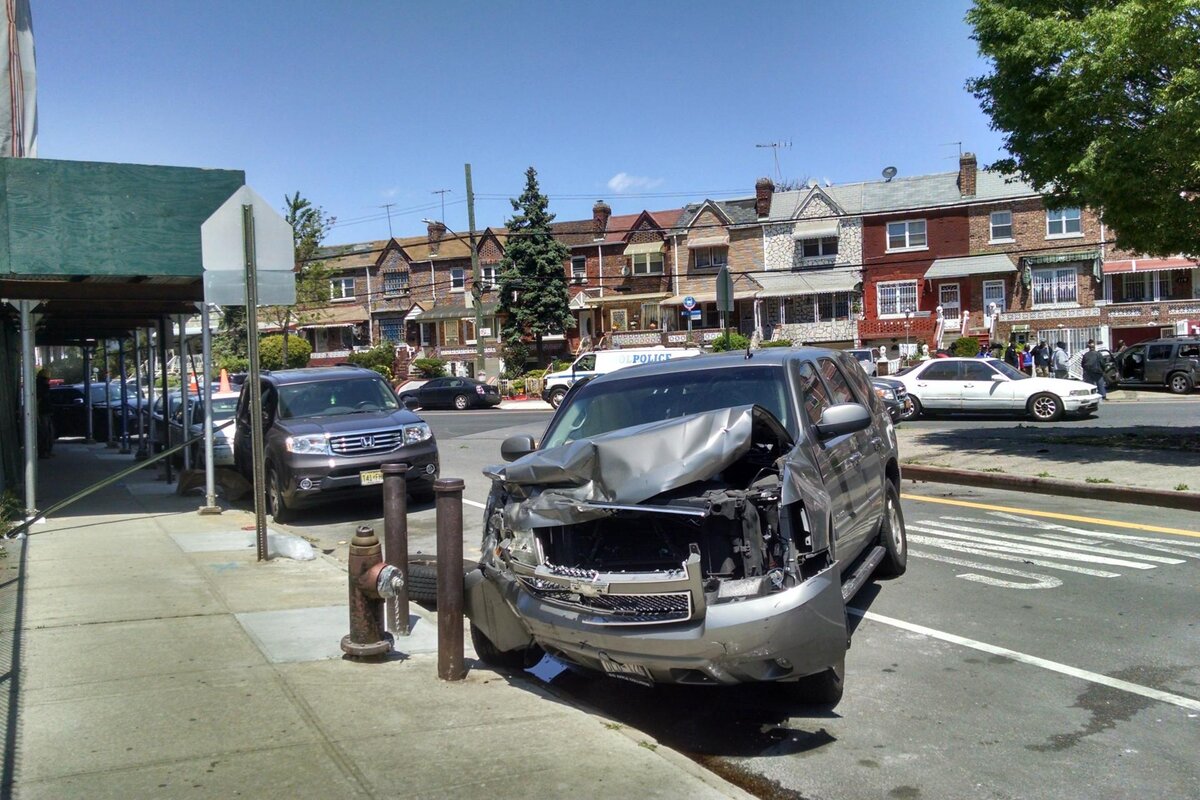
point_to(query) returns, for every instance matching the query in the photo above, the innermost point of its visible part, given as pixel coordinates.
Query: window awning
(1147, 265)
(646, 247)
(336, 317)
(438, 313)
(709, 239)
(1061, 258)
(965, 266)
(621, 297)
(815, 229)
(708, 297)
(807, 282)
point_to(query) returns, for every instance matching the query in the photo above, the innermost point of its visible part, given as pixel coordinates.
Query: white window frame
(1055, 279)
(1063, 217)
(1153, 284)
(909, 235)
(822, 243)
(1002, 305)
(579, 269)
(650, 312)
(714, 257)
(993, 224)
(337, 289)
(458, 279)
(904, 298)
(487, 276)
(646, 264)
(427, 335)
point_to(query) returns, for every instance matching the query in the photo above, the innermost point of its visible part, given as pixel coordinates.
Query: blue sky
(644, 104)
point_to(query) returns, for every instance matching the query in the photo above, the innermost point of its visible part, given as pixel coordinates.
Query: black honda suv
(326, 434)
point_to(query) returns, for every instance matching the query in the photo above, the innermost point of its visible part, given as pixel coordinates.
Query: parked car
(894, 397)
(699, 522)
(224, 405)
(867, 358)
(326, 434)
(1174, 363)
(600, 362)
(978, 385)
(68, 407)
(457, 393)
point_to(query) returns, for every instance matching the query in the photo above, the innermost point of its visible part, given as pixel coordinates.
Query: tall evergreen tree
(533, 283)
(309, 226)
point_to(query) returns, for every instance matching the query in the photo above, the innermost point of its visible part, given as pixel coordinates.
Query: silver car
(703, 523)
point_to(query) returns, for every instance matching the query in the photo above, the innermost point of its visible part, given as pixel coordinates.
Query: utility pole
(476, 275)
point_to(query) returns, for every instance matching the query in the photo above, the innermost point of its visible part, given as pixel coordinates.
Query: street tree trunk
(540, 360)
(287, 319)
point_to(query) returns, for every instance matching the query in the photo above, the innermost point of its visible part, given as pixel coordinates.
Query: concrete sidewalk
(154, 657)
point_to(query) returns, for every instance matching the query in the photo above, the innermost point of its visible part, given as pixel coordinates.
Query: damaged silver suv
(703, 522)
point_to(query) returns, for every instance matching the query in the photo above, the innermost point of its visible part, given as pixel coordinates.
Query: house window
(711, 257)
(618, 319)
(648, 264)
(458, 279)
(450, 331)
(1063, 222)
(487, 276)
(1136, 287)
(906, 235)
(428, 334)
(815, 248)
(579, 269)
(833, 306)
(894, 297)
(1054, 286)
(651, 315)
(1001, 226)
(391, 330)
(797, 310)
(993, 292)
(341, 289)
(395, 282)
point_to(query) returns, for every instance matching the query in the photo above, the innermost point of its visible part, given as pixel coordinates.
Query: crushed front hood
(555, 486)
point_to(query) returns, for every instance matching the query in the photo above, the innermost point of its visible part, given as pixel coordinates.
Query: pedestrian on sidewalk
(1060, 360)
(1093, 369)
(1041, 359)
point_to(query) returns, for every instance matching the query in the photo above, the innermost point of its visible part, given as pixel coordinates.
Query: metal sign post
(689, 303)
(256, 430)
(725, 298)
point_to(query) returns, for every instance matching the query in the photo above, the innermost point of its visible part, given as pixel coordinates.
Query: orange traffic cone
(225, 380)
(193, 387)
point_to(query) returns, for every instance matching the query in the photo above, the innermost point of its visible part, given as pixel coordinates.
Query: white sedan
(989, 385)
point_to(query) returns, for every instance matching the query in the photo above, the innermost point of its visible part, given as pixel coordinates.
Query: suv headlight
(417, 433)
(313, 444)
(886, 394)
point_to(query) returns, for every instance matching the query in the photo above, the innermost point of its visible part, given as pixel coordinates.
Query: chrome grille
(367, 443)
(618, 609)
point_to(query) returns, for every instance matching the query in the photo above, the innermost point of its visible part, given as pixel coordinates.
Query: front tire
(823, 689)
(556, 397)
(1045, 407)
(275, 499)
(1179, 383)
(461, 402)
(916, 412)
(504, 659)
(892, 536)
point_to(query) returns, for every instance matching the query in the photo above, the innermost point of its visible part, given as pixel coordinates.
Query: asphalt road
(1024, 654)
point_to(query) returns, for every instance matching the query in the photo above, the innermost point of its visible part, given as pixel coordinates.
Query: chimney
(966, 174)
(763, 189)
(436, 231)
(600, 214)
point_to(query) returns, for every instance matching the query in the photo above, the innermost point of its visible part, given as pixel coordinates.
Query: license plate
(370, 477)
(629, 672)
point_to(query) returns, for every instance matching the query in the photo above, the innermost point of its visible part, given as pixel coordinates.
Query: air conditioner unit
(625, 271)
(577, 279)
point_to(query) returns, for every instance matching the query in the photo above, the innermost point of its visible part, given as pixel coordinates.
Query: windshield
(336, 397)
(1007, 370)
(604, 407)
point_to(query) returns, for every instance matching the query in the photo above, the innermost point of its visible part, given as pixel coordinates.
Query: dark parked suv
(327, 432)
(1174, 363)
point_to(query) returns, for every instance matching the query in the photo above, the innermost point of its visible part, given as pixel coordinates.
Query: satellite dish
(889, 173)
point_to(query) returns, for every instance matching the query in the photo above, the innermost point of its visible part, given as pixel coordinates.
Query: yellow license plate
(370, 477)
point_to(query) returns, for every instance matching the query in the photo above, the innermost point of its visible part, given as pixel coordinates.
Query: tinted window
(587, 363)
(940, 371)
(839, 389)
(976, 371)
(1189, 351)
(603, 407)
(813, 393)
(332, 398)
(1156, 351)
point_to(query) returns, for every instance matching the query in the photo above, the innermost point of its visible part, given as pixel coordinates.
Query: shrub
(234, 363)
(560, 365)
(270, 352)
(729, 341)
(430, 367)
(380, 358)
(777, 343)
(515, 355)
(536, 374)
(10, 512)
(965, 346)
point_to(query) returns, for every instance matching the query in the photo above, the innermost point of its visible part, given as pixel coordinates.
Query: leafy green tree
(1099, 103)
(309, 226)
(533, 284)
(271, 352)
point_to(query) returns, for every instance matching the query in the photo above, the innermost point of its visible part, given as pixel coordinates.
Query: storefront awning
(623, 297)
(709, 239)
(439, 313)
(708, 297)
(817, 229)
(807, 282)
(1147, 265)
(965, 266)
(642, 249)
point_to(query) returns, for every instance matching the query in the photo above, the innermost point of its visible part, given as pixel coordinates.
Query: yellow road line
(1112, 523)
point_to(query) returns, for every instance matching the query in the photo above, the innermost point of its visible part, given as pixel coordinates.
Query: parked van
(600, 362)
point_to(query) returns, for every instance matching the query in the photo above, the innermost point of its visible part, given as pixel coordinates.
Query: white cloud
(624, 182)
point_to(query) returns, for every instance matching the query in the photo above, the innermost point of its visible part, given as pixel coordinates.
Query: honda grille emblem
(367, 441)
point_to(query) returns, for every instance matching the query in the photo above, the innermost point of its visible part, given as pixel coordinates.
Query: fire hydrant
(371, 582)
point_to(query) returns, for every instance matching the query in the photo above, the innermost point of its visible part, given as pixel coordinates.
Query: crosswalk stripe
(1176, 547)
(1039, 581)
(993, 535)
(1016, 548)
(963, 547)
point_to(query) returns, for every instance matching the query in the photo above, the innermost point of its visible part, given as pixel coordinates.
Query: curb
(1184, 501)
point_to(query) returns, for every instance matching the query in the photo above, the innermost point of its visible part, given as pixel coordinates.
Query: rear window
(600, 408)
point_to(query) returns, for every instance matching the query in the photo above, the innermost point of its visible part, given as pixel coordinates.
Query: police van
(597, 363)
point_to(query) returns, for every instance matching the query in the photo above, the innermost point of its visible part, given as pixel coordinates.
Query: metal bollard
(371, 581)
(395, 542)
(450, 578)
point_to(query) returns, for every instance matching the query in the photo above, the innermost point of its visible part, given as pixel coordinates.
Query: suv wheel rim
(1179, 384)
(894, 524)
(1044, 407)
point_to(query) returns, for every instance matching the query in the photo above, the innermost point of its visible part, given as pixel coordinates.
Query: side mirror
(841, 419)
(78, 401)
(410, 402)
(996, 376)
(517, 446)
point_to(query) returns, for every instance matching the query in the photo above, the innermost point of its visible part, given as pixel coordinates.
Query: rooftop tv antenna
(956, 144)
(442, 192)
(775, 149)
(388, 207)
(889, 173)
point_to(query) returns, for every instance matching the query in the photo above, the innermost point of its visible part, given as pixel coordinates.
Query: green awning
(1061, 258)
